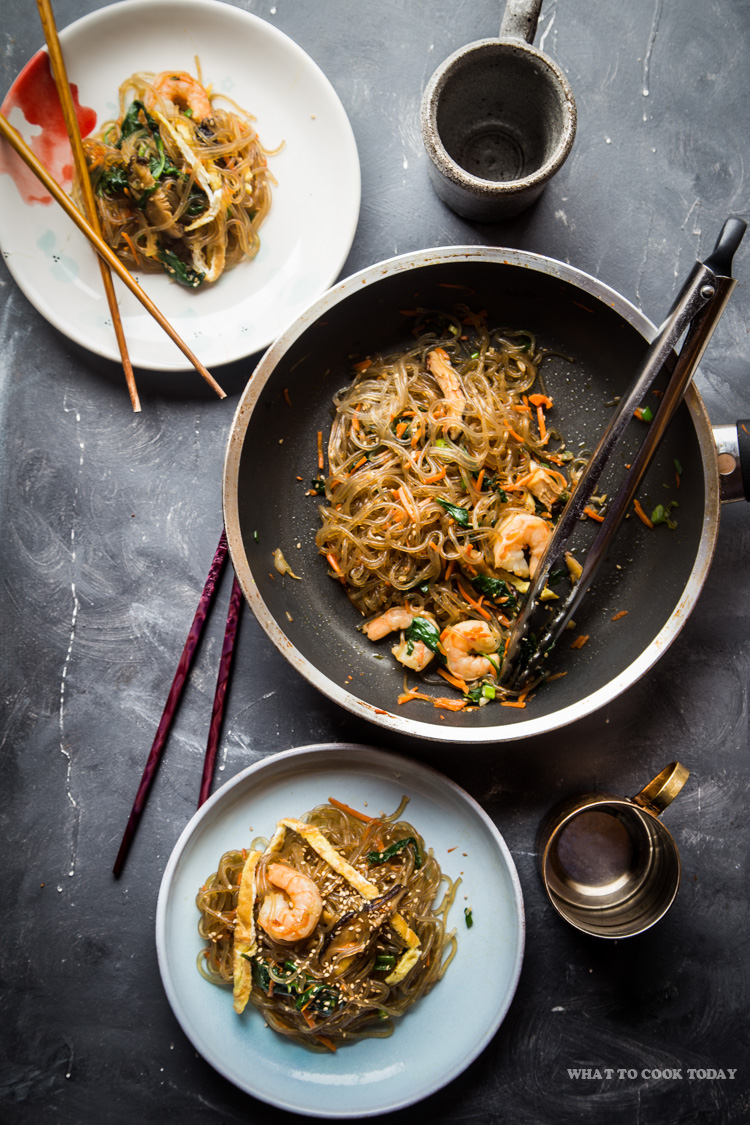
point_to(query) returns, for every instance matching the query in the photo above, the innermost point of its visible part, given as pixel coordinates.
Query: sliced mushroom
(355, 930)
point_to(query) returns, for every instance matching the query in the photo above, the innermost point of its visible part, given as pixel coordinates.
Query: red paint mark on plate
(34, 93)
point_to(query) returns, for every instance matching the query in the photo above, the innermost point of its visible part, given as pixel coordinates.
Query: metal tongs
(697, 309)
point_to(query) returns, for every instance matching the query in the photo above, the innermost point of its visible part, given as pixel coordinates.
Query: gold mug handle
(660, 792)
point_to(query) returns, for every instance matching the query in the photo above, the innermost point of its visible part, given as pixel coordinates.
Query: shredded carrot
(521, 409)
(473, 602)
(556, 676)
(359, 465)
(335, 564)
(516, 436)
(580, 640)
(286, 396)
(353, 812)
(449, 569)
(511, 703)
(401, 429)
(540, 400)
(434, 477)
(518, 484)
(320, 449)
(622, 613)
(407, 696)
(450, 704)
(365, 363)
(593, 514)
(641, 514)
(541, 422)
(133, 250)
(480, 478)
(454, 681)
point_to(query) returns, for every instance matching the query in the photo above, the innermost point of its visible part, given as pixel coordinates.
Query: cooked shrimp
(447, 378)
(397, 617)
(411, 653)
(462, 642)
(517, 535)
(184, 91)
(292, 912)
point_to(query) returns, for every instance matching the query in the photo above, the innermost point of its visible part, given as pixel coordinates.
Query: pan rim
(404, 724)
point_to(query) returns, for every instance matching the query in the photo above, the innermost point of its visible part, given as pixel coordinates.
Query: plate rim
(346, 140)
(392, 760)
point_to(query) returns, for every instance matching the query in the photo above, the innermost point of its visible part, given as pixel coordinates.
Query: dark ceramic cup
(498, 120)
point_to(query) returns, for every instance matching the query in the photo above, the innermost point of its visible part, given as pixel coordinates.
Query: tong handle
(698, 307)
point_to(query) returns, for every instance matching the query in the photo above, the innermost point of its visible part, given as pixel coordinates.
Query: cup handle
(520, 19)
(663, 789)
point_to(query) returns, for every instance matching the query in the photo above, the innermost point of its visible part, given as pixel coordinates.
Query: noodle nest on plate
(331, 930)
(180, 180)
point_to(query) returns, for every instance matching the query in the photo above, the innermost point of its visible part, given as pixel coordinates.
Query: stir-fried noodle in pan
(445, 476)
(331, 928)
(180, 179)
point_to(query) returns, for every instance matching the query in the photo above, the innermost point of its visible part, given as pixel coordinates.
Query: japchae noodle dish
(445, 476)
(329, 929)
(180, 181)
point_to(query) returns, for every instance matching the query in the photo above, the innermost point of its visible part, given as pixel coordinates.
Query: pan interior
(595, 354)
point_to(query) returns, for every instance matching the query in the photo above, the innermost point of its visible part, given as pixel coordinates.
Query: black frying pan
(656, 575)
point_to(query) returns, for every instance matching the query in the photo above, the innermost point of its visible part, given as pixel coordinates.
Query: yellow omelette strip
(244, 934)
(326, 851)
(405, 966)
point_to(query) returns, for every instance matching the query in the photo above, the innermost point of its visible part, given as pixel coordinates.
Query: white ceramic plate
(304, 240)
(445, 1031)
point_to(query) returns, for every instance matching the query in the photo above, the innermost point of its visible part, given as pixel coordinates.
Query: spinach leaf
(113, 181)
(496, 589)
(131, 122)
(305, 989)
(196, 204)
(381, 857)
(176, 268)
(423, 630)
(460, 515)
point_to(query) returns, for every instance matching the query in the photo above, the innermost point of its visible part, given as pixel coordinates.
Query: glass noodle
(444, 478)
(180, 179)
(332, 987)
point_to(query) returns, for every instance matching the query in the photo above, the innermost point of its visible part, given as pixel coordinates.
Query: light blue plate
(443, 1033)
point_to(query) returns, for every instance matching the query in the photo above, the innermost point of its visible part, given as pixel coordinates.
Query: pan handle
(733, 448)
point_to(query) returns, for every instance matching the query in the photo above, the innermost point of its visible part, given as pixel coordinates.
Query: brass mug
(608, 864)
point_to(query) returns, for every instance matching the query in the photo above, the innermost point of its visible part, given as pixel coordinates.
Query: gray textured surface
(109, 522)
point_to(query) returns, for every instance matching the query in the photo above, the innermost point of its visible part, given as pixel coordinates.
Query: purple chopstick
(217, 715)
(170, 707)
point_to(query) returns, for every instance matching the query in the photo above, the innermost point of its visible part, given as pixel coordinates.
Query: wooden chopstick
(79, 157)
(217, 715)
(170, 707)
(19, 145)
